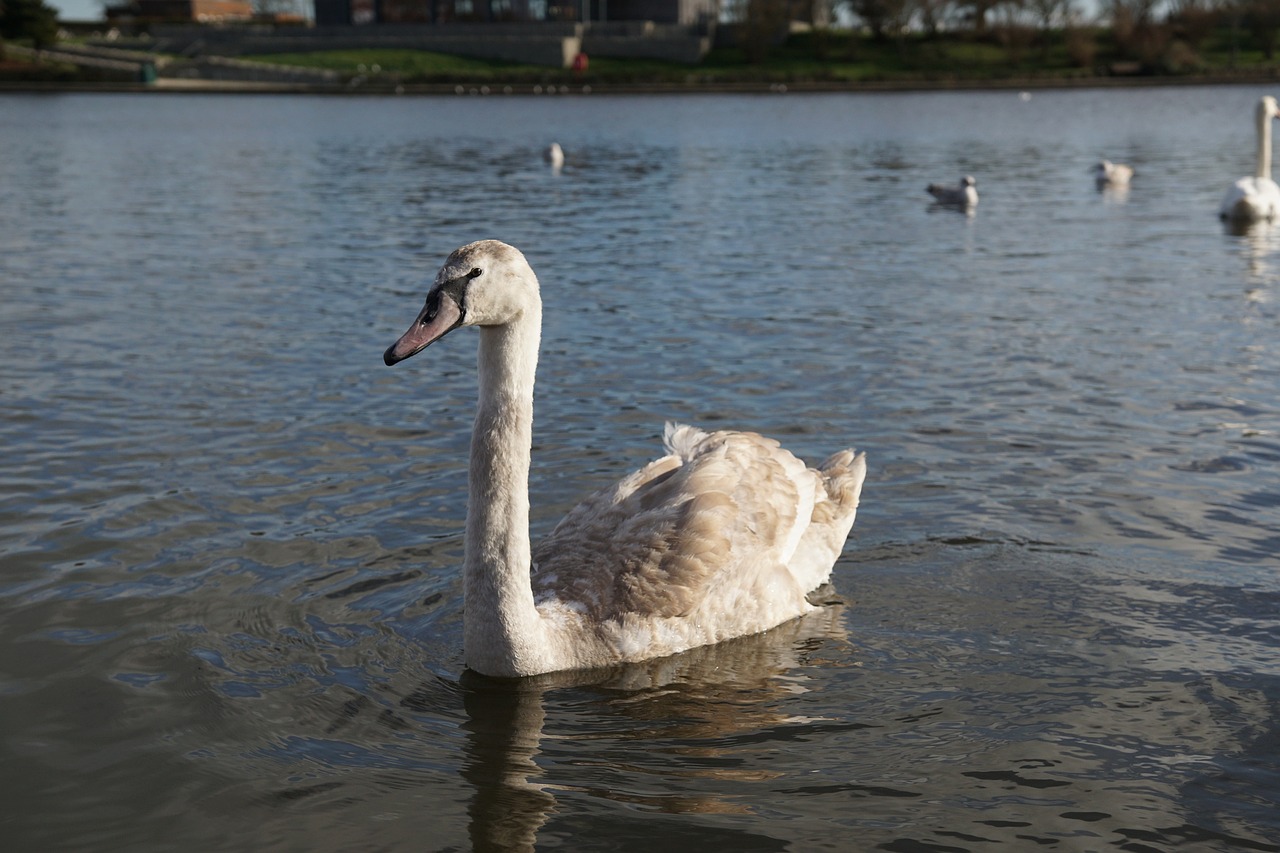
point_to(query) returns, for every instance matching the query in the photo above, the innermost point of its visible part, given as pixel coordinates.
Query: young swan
(722, 536)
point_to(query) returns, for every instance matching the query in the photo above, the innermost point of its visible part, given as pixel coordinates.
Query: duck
(725, 534)
(1255, 198)
(1108, 174)
(964, 194)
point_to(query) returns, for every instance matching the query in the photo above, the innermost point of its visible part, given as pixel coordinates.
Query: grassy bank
(830, 59)
(848, 58)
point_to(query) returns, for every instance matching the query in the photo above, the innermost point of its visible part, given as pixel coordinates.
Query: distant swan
(723, 536)
(1108, 174)
(963, 194)
(1256, 199)
(555, 155)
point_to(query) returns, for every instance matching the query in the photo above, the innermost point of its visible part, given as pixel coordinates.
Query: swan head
(486, 283)
(968, 181)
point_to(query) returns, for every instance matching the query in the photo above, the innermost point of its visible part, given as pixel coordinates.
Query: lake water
(230, 538)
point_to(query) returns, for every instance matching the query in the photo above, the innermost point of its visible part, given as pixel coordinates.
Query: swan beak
(437, 318)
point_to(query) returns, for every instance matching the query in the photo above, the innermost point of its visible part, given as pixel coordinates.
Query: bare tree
(883, 17)
(1049, 15)
(764, 25)
(1136, 30)
(1195, 20)
(976, 12)
(933, 13)
(1263, 19)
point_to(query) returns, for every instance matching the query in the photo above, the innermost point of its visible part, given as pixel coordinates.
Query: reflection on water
(230, 607)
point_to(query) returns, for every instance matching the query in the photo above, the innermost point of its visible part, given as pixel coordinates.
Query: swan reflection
(692, 709)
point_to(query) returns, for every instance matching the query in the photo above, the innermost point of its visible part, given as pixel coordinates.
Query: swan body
(1256, 198)
(721, 536)
(555, 155)
(964, 194)
(1108, 174)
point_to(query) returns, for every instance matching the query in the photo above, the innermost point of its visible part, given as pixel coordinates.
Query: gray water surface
(230, 539)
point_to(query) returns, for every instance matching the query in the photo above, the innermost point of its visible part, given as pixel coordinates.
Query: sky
(77, 10)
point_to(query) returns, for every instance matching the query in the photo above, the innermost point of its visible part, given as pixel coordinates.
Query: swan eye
(475, 272)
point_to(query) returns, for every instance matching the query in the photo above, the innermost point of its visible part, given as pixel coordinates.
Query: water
(230, 613)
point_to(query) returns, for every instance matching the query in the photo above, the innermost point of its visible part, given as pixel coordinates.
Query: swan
(555, 155)
(964, 194)
(1108, 174)
(722, 536)
(1257, 198)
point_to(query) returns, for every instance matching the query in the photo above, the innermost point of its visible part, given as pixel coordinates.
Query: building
(347, 12)
(200, 11)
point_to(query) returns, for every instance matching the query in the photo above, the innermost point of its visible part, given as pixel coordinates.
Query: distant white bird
(1108, 174)
(555, 155)
(721, 536)
(1256, 199)
(964, 194)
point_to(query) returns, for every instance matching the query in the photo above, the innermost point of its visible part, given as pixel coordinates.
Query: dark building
(346, 12)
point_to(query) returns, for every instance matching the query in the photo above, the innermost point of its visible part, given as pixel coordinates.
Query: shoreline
(604, 87)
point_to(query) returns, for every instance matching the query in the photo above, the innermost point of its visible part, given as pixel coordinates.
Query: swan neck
(504, 634)
(1264, 145)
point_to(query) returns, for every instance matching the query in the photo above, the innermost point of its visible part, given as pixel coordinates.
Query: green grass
(826, 57)
(840, 58)
(405, 64)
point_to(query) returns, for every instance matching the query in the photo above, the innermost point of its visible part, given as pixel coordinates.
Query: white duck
(1108, 174)
(964, 194)
(1256, 199)
(723, 536)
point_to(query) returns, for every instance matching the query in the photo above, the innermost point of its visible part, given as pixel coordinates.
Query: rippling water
(230, 612)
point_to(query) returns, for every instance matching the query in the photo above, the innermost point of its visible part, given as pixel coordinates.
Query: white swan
(722, 536)
(964, 194)
(1256, 199)
(1108, 174)
(555, 156)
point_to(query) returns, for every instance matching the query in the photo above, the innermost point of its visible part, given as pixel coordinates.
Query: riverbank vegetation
(864, 42)
(908, 41)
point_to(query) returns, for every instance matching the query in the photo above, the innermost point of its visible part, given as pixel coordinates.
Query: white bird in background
(555, 155)
(1108, 174)
(964, 194)
(722, 536)
(1257, 198)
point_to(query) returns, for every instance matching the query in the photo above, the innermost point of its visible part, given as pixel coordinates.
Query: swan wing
(717, 511)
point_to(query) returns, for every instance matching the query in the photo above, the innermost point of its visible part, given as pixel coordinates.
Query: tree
(977, 12)
(29, 19)
(933, 14)
(882, 17)
(1263, 19)
(1049, 14)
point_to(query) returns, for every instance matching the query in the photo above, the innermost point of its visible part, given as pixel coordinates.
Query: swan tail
(843, 474)
(682, 439)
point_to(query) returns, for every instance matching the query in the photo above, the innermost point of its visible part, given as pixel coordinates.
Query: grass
(407, 64)
(836, 57)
